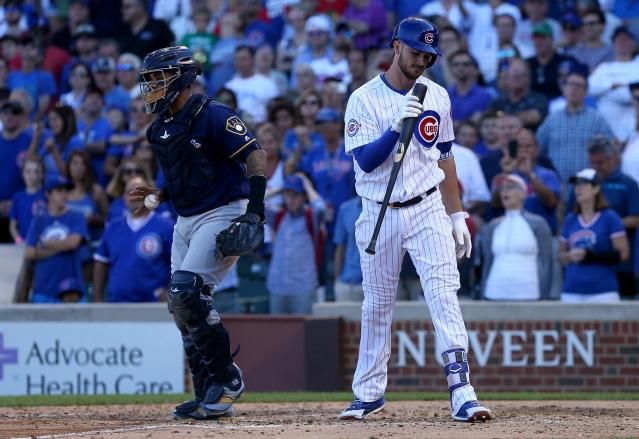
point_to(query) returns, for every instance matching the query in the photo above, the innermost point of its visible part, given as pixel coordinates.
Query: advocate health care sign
(90, 358)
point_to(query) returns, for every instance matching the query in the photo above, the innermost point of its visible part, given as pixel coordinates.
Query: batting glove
(463, 242)
(411, 107)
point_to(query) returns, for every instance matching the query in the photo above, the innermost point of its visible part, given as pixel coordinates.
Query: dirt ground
(513, 419)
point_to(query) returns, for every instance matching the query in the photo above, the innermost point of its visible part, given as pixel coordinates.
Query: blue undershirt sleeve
(371, 155)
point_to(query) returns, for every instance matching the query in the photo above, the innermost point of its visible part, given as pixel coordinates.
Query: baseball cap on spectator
(56, 183)
(570, 67)
(513, 178)
(84, 30)
(14, 106)
(510, 10)
(623, 30)
(70, 286)
(327, 115)
(103, 64)
(318, 23)
(588, 175)
(294, 183)
(128, 62)
(570, 20)
(542, 29)
(633, 86)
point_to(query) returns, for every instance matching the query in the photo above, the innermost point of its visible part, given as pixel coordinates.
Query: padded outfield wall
(104, 348)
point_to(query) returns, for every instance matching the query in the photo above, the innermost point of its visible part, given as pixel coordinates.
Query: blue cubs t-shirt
(140, 258)
(596, 235)
(51, 271)
(23, 206)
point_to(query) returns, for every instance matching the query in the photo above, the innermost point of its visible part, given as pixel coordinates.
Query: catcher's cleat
(472, 411)
(220, 397)
(195, 410)
(359, 409)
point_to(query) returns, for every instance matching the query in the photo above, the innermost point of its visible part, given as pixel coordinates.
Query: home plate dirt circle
(409, 419)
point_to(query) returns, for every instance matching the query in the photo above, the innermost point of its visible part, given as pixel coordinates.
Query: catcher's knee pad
(213, 343)
(184, 300)
(456, 369)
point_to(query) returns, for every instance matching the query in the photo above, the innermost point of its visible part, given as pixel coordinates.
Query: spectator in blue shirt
(593, 241)
(39, 83)
(348, 272)
(27, 201)
(304, 136)
(53, 242)
(15, 139)
(622, 194)
(292, 277)
(468, 99)
(104, 73)
(94, 130)
(135, 246)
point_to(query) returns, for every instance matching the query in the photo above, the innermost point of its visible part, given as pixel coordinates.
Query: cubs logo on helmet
(428, 38)
(149, 246)
(427, 128)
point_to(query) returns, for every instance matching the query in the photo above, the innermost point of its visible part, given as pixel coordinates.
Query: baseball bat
(408, 125)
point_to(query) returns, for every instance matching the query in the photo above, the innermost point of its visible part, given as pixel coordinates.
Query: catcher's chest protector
(187, 169)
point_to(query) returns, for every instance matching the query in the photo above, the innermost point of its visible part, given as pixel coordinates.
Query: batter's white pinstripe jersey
(369, 113)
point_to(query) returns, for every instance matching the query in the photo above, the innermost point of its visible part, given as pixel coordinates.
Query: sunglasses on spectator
(126, 67)
(135, 171)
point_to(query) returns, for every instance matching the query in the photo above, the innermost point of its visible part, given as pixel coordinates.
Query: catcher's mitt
(245, 235)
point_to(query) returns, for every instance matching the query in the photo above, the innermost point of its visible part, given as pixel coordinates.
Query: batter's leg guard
(463, 400)
(189, 299)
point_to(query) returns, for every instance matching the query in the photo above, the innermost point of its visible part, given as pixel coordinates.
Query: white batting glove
(411, 107)
(463, 242)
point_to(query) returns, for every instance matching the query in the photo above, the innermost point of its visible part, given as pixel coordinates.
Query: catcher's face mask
(154, 85)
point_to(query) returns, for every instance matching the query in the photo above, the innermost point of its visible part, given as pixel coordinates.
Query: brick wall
(516, 356)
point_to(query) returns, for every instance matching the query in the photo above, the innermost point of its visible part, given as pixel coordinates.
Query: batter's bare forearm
(256, 163)
(450, 186)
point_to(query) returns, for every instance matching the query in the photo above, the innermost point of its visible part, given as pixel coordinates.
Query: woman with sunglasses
(129, 168)
(304, 136)
(593, 242)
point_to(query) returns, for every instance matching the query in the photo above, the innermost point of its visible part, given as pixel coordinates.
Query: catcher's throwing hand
(245, 235)
(138, 195)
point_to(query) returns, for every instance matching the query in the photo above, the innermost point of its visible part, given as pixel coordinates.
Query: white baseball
(151, 201)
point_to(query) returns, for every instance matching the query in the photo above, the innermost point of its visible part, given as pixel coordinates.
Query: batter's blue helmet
(164, 74)
(419, 34)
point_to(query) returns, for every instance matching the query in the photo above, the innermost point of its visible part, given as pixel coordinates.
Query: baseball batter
(423, 216)
(206, 153)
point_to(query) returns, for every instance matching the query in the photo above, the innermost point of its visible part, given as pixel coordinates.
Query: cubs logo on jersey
(352, 127)
(55, 232)
(149, 246)
(584, 238)
(427, 128)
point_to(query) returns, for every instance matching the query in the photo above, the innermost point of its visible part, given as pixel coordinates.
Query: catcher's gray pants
(194, 242)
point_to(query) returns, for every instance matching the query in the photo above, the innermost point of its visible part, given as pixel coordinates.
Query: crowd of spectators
(545, 100)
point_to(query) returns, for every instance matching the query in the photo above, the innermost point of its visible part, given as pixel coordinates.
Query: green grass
(274, 397)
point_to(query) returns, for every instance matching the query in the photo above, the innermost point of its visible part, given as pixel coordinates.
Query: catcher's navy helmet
(419, 34)
(164, 74)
